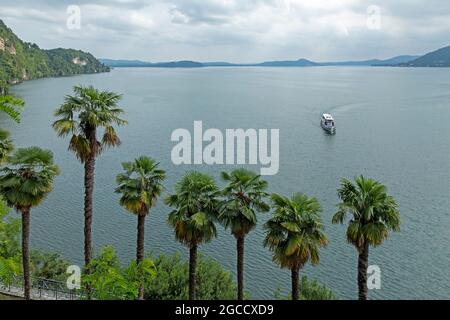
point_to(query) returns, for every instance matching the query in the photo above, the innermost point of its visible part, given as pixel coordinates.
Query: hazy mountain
(438, 58)
(287, 63)
(351, 63)
(396, 60)
(193, 64)
(138, 63)
(297, 63)
(219, 64)
(177, 64)
(373, 62)
(124, 63)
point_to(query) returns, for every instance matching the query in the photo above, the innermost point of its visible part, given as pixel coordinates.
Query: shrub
(171, 282)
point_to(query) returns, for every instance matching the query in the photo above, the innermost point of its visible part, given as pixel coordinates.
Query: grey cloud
(237, 30)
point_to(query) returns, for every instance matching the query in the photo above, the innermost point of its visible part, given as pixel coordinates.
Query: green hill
(20, 61)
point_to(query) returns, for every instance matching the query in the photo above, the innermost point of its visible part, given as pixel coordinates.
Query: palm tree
(11, 106)
(82, 116)
(24, 185)
(244, 197)
(6, 146)
(295, 234)
(194, 211)
(374, 214)
(140, 185)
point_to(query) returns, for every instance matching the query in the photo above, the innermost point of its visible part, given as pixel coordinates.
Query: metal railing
(42, 289)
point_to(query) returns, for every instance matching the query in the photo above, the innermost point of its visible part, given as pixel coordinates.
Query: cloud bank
(235, 30)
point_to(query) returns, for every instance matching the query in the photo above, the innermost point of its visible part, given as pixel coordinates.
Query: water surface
(393, 125)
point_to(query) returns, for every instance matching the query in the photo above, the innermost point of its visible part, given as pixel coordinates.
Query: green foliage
(171, 283)
(374, 212)
(310, 290)
(62, 62)
(29, 178)
(48, 266)
(23, 61)
(6, 146)
(295, 232)
(140, 185)
(313, 290)
(9, 233)
(244, 196)
(10, 264)
(12, 106)
(109, 281)
(82, 114)
(9, 267)
(195, 204)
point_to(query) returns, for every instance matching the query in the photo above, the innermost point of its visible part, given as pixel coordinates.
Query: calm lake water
(393, 125)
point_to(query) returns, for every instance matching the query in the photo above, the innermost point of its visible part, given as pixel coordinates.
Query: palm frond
(374, 212)
(295, 232)
(12, 106)
(83, 115)
(140, 185)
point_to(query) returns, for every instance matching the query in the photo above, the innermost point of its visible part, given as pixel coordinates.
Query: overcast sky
(235, 30)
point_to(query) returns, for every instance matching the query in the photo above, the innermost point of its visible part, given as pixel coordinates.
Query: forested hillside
(20, 61)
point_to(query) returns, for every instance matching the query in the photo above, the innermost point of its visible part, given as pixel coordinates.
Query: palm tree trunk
(363, 264)
(240, 266)
(294, 278)
(89, 167)
(26, 253)
(140, 249)
(192, 271)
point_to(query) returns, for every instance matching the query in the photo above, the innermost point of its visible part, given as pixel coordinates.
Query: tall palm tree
(194, 206)
(140, 185)
(244, 196)
(82, 116)
(11, 106)
(374, 214)
(24, 185)
(295, 234)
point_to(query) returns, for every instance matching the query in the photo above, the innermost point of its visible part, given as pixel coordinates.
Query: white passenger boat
(328, 124)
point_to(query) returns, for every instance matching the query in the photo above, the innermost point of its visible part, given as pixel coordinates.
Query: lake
(392, 125)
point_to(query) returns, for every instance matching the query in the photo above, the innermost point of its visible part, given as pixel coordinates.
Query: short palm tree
(295, 234)
(24, 185)
(82, 116)
(140, 186)
(11, 106)
(374, 214)
(194, 206)
(244, 196)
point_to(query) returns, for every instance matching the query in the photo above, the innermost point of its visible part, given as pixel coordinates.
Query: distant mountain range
(138, 63)
(396, 61)
(374, 62)
(438, 59)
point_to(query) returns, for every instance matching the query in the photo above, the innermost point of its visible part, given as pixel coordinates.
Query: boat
(328, 124)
